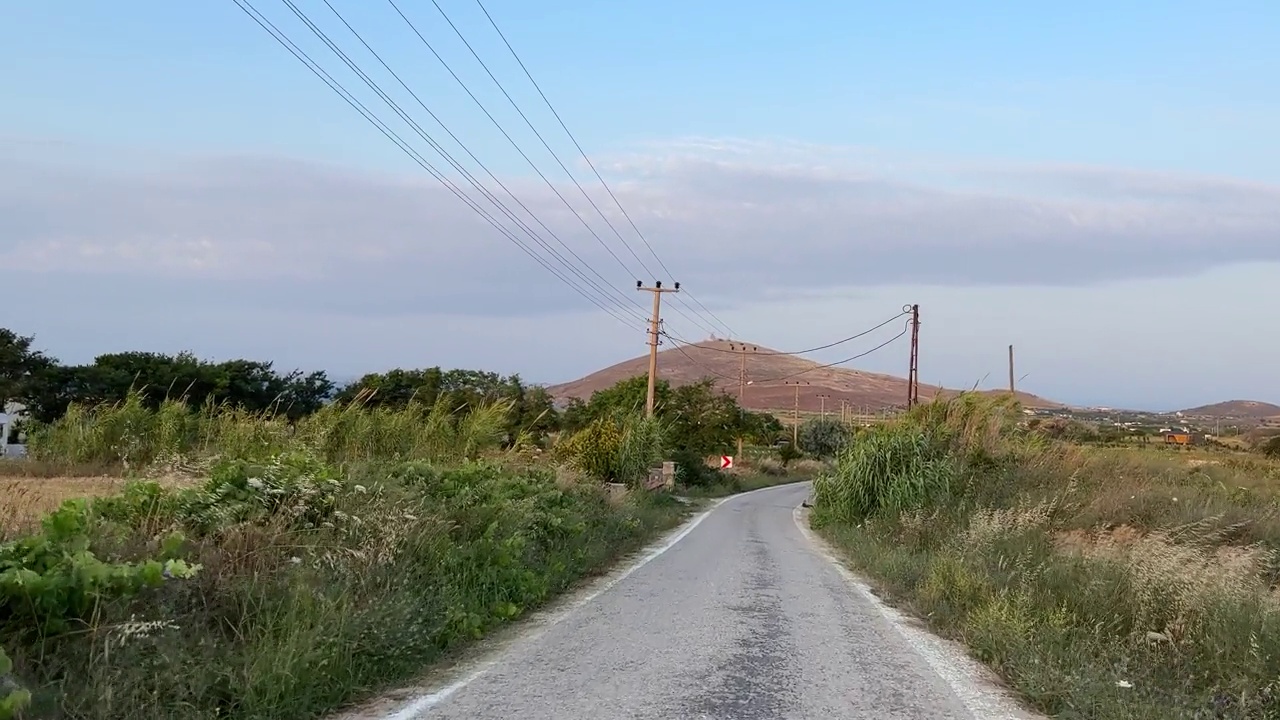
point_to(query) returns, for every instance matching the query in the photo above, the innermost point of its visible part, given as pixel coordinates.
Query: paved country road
(743, 617)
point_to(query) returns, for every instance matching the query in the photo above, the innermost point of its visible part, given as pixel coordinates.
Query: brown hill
(1244, 409)
(768, 373)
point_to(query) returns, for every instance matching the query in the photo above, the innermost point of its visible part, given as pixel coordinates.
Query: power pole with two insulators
(742, 379)
(654, 323)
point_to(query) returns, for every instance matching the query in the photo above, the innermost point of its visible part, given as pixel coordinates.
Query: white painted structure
(12, 412)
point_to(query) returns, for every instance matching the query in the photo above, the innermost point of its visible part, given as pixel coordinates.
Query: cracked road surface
(744, 618)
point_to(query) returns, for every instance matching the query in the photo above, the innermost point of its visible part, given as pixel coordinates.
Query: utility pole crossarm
(654, 322)
(742, 378)
(795, 427)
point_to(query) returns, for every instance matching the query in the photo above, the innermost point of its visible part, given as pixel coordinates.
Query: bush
(311, 588)
(888, 469)
(823, 438)
(619, 447)
(788, 453)
(692, 470)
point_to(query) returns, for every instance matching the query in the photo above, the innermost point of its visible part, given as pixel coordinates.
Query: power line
(585, 158)
(906, 311)
(680, 348)
(507, 135)
(906, 328)
(677, 344)
(632, 310)
(523, 116)
(303, 57)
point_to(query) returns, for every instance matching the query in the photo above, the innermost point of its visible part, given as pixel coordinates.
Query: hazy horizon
(1070, 180)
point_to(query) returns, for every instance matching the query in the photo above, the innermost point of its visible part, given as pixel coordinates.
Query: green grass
(328, 562)
(1100, 583)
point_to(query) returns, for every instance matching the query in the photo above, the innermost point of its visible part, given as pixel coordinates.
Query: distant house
(12, 413)
(1179, 437)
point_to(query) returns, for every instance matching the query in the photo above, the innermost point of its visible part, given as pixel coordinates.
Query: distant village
(1173, 428)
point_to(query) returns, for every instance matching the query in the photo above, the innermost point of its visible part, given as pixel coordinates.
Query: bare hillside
(768, 372)
(1244, 409)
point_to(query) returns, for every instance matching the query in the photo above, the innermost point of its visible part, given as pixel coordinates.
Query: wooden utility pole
(823, 400)
(657, 291)
(742, 378)
(1012, 391)
(795, 428)
(913, 370)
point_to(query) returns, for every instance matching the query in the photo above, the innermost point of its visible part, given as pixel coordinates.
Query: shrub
(619, 447)
(823, 438)
(788, 453)
(313, 589)
(692, 469)
(887, 469)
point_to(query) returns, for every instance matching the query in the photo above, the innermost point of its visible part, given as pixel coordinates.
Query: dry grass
(25, 500)
(1131, 583)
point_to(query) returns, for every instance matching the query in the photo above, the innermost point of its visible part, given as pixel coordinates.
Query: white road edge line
(542, 622)
(972, 682)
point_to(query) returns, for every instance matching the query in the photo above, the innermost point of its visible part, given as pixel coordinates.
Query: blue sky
(1026, 130)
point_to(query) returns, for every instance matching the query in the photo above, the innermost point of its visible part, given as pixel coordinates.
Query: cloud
(737, 220)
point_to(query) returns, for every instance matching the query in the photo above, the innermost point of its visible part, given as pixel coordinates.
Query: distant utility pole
(844, 416)
(742, 378)
(1012, 391)
(913, 371)
(795, 428)
(657, 291)
(823, 400)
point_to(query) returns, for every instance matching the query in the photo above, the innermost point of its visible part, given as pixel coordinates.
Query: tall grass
(619, 447)
(1099, 583)
(312, 564)
(131, 435)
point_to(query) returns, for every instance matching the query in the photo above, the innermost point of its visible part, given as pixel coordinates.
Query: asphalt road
(743, 618)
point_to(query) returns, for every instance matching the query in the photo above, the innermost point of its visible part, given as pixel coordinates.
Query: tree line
(701, 419)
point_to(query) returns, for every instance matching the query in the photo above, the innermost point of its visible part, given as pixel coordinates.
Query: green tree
(823, 437)
(701, 419)
(21, 367)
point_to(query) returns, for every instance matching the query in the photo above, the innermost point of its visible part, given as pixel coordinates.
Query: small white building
(12, 413)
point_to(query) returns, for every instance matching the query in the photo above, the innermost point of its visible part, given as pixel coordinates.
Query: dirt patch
(1089, 541)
